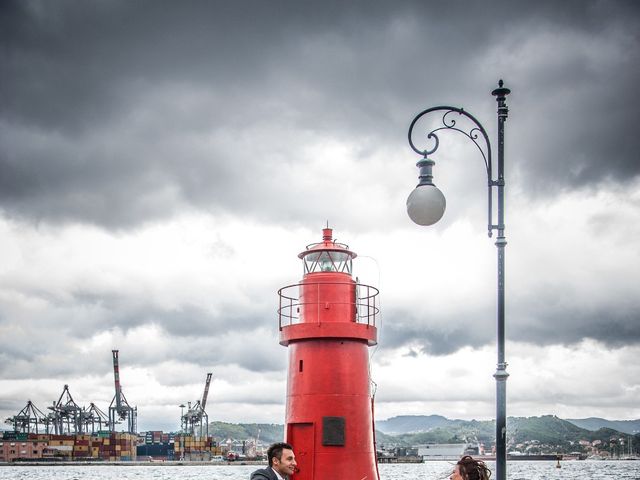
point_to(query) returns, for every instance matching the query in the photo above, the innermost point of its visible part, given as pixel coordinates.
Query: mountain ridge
(631, 427)
(405, 424)
(531, 435)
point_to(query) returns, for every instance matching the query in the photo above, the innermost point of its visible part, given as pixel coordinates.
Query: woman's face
(456, 474)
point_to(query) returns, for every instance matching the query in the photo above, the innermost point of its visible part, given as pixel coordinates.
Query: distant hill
(547, 429)
(594, 423)
(269, 432)
(404, 424)
(557, 434)
(412, 424)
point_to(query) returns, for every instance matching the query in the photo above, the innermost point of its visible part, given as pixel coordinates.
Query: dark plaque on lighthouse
(333, 431)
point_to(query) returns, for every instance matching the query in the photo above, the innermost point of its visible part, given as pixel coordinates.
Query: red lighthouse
(328, 323)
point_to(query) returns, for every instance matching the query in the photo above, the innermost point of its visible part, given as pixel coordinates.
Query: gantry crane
(119, 409)
(28, 420)
(196, 420)
(93, 419)
(66, 414)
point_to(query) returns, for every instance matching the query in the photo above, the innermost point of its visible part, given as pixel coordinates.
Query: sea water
(436, 470)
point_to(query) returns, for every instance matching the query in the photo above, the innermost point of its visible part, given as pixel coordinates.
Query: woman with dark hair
(469, 469)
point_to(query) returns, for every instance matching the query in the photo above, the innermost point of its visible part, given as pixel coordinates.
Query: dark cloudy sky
(162, 164)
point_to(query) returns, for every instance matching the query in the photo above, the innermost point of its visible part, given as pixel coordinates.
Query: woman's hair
(471, 469)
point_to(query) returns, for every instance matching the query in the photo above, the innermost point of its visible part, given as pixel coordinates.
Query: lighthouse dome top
(328, 255)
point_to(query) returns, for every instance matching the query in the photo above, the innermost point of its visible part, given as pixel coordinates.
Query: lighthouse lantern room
(328, 323)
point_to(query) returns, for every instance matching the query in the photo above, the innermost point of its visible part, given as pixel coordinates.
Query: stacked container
(104, 445)
(119, 447)
(81, 447)
(195, 448)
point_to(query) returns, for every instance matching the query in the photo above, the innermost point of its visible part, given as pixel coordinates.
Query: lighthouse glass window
(326, 261)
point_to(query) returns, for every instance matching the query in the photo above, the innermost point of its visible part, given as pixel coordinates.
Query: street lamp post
(426, 205)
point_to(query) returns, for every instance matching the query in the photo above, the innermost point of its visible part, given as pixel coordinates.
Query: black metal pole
(501, 371)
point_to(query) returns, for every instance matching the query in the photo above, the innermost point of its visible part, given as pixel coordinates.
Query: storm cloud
(162, 163)
(117, 113)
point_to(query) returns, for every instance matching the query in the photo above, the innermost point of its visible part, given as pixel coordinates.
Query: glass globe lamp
(426, 204)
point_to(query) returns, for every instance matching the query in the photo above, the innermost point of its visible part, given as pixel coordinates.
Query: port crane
(119, 409)
(93, 419)
(196, 421)
(66, 414)
(28, 420)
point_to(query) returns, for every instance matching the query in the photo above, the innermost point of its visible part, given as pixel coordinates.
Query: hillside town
(253, 440)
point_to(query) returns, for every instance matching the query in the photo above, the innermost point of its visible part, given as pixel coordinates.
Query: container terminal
(70, 432)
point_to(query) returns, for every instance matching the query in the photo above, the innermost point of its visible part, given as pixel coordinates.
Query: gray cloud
(47, 344)
(124, 114)
(552, 324)
(544, 318)
(436, 335)
(117, 113)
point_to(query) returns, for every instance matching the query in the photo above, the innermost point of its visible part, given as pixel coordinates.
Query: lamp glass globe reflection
(426, 204)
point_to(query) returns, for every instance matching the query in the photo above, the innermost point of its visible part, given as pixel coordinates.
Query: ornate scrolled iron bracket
(474, 132)
(449, 123)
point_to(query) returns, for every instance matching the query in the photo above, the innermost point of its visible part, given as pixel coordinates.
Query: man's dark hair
(275, 450)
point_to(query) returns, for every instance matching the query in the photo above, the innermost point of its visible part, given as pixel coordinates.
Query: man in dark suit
(282, 463)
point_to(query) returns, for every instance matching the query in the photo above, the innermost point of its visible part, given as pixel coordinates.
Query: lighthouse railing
(290, 306)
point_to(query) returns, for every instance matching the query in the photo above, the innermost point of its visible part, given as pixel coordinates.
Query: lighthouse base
(354, 465)
(329, 410)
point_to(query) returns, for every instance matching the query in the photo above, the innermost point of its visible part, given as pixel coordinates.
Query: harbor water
(520, 470)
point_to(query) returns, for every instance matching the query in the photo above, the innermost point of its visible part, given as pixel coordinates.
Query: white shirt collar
(280, 477)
